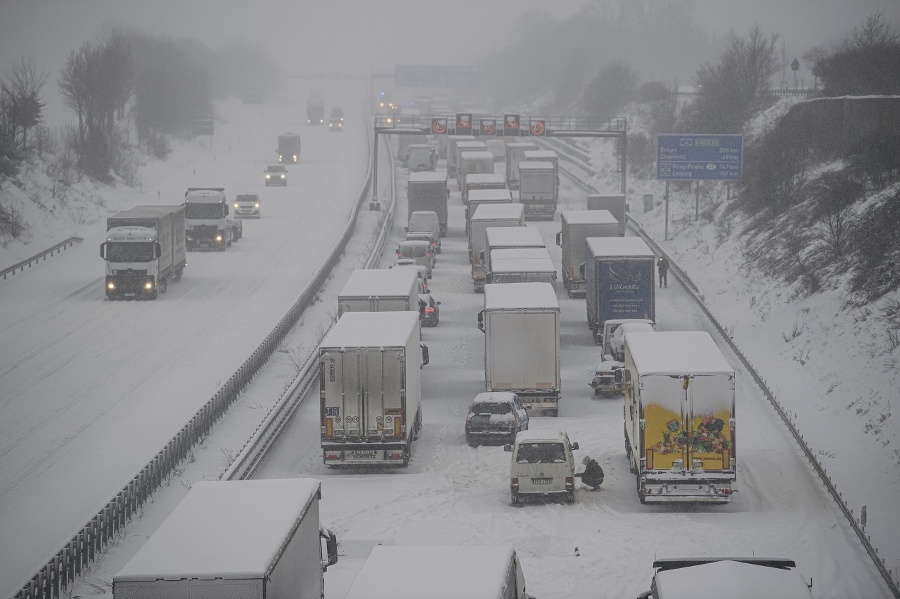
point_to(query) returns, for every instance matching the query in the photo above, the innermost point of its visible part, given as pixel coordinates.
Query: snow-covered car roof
(494, 397)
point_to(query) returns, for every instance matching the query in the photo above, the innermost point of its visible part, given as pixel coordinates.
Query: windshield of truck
(129, 251)
(541, 453)
(491, 407)
(202, 210)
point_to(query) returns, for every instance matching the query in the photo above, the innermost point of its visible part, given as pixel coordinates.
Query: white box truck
(578, 225)
(743, 577)
(234, 540)
(380, 290)
(440, 572)
(144, 250)
(497, 238)
(482, 181)
(522, 269)
(480, 162)
(489, 215)
(618, 279)
(679, 417)
(515, 153)
(370, 388)
(452, 141)
(520, 322)
(466, 145)
(614, 203)
(538, 189)
(477, 197)
(428, 191)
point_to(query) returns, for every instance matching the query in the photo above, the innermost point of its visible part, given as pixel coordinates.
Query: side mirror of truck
(157, 249)
(103, 250)
(574, 445)
(331, 548)
(507, 448)
(481, 321)
(559, 239)
(581, 270)
(425, 359)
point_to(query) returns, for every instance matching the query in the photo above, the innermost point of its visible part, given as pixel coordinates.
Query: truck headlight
(282, 176)
(219, 238)
(148, 286)
(295, 158)
(111, 286)
(268, 176)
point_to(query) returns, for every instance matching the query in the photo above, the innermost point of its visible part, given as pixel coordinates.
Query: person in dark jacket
(663, 266)
(593, 473)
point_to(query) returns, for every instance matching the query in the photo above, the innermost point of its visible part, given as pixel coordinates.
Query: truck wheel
(162, 286)
(554, 412)
(641, 496)
(514, 499)
(570, 497)
(178, 274)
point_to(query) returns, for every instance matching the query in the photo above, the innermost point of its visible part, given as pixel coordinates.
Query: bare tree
(74, 85)
(21, 99)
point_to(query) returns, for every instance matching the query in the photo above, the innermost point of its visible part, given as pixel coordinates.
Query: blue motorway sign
(693, 157)
(412, 75)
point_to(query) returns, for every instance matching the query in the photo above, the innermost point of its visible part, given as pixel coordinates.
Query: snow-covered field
(451, 494)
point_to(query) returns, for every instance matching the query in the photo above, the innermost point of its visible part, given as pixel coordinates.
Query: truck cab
(206, 219)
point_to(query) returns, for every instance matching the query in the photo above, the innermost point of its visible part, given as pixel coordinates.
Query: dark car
(495, 416)
(429, 310)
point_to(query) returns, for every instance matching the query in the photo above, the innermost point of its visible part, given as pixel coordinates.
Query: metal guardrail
(893, 584)
(75, 556)
(28, 263)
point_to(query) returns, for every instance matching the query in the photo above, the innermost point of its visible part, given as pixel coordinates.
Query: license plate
(541, 481)
(368, 454)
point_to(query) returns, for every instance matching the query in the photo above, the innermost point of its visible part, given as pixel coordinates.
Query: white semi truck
(480, 162)
(428, 191)
(679, 417)
(233, 540)
(207, 221)
(144, 250)
(614, 203)
(577, 226)
(466, 145)
(370, 390)
(520, 322)
(482, 181)
(515, 153)
(380, 290)
(497, 238)
(485, 216)
(538, 189)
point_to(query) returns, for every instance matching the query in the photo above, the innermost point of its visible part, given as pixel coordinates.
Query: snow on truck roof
(379, 282)
(428, 176)
(499, 296)
(227, 529)
(415, 571)
(618, 247)
(477, 154)
(529, 165)
(514, 236)
(522, 265)
(676, 352)
(483, 178)
(588, 217)
(372, 329)
(520, 252)
(743, 581)
(505, 210)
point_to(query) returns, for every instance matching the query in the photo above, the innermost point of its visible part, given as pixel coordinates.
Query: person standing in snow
(663, 265)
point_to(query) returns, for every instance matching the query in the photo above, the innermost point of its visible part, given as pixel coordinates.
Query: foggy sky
(359, 36)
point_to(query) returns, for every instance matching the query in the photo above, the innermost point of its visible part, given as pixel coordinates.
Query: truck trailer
(618, 278)
(477, 197)
(489, 215)
(538, 189)
(380, 290)
(207, 224)
(144, 250)
(452, 141)
(428, 191)
(233, 540)
(480, 162)
(288, 148)
(515, 153)
(370, 389)
(499, 238)
(614, 203)
(482, 181)
(679, 417)
(578, 225)
(520, 322)
(465, 145)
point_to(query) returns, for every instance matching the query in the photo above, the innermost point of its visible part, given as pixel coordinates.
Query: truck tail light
(332, 456)
(395, 455)
(429, 310)
(514, 483)
(570, 483)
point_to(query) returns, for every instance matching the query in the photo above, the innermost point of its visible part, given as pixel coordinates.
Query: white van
(542, 466)
(440, 572)
(419, 250)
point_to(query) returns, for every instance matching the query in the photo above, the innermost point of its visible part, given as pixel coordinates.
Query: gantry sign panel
(508, 125)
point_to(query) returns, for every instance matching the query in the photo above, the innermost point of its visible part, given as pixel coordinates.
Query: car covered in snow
(604, 380)
(495, 416)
